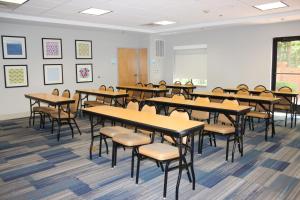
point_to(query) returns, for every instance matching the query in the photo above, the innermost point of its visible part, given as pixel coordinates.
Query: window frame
(274, 57)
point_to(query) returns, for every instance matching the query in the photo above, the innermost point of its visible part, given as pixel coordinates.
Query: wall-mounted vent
(159, 48)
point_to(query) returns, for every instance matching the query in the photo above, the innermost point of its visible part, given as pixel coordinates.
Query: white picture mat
(53, 74)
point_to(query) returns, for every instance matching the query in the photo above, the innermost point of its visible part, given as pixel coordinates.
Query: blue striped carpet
(33, 165)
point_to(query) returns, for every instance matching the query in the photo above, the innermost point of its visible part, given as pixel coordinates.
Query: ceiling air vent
(159, 48)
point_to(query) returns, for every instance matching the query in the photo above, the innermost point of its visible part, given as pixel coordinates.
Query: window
(191, 64)
(286, 63)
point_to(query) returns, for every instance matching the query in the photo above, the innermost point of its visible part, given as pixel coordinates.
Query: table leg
(192, 161)
(179, 168)
(58, 123)
(30, 117)
(92, 135)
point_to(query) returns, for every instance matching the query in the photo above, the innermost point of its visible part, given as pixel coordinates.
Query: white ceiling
(132, 15)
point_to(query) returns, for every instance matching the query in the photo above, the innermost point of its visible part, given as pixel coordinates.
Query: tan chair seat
(93, 103)
(219, 128)
(169, 139)
(131, 139)
(144, 132)
(159, 151)
(111, 131)
(63, 115)
(282, 107)
(44, 109)
(256, 114)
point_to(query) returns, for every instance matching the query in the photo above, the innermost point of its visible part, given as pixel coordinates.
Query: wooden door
(143, 66)
(127, 65)
(132, 66)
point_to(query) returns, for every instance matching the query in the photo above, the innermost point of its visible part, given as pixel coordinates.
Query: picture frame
(53, 74)
(14, 47)
(52, 48)
(84, 73)
(83, 49)
(16, 76)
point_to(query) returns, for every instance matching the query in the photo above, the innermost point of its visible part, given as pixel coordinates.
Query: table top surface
(194, 104)
(257, 91)
(102, 92)
(49, 98)
(237, 96)
(157, 122)
(142, 88)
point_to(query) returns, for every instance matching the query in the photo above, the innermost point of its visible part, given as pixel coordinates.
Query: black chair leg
(210, 141)
(227, 148)
(266, 130)
(91, 147)
(187, 169)
(58, 132)
(286, 114)
(132, 162)
(113, 155)
(214, 138)
(100, 145)
(52, 126)
(77, 126)
(166, 179)
(233, 148)
(137, 169)
(106, 145)
(70, 125)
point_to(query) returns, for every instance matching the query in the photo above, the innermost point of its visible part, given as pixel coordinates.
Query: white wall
(239, 54)
(105, 44)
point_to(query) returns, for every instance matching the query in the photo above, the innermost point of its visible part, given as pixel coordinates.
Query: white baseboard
(14, 116)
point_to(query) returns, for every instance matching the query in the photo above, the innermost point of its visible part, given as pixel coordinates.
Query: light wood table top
(236, 96)
(49, 98)
(145, 89)
(107, 93)
(177, 127)
(178, 86)
(278, 93)
(211, 107)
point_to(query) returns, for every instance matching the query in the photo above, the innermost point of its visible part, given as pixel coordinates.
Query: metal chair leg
(100, 145)
(227, 148)
(77, 126)
(137, 169)
(166, 179)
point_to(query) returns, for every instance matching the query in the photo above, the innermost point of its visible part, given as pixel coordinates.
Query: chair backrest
(108, 100)
(260, 88)
(133, 105)
(102, 87)
(162, 82)
(178, 97)
(110, 88)
(218, 90)
(243, 91)
(74, 106)
(149, 109)
(265, 93)
(55, 92)
(180, 114)
(177, 83)
(285, 89)
(149, 85)
(201, 115)
(283, 99)
(222, 118)
(66, 93)
(176, 90)
(242, 86)
(139, 84)
(162, 94)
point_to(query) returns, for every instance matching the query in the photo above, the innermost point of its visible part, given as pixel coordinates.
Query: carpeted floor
(33, 165)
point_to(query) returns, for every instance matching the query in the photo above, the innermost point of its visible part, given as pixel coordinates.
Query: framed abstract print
(84, 73)
(52, 48)
(83, 49)
(15, 76)
(14, 47)
(53, 74)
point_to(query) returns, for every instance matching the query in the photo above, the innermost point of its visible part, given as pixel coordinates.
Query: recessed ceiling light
(95, 11)
(269, 6)
(14, 1)
(164, 23)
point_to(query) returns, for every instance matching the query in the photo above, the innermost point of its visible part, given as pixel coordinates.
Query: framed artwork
(52, 48)
(15, 76)
(84, 73)
(14, 47)
(83, 49)
(53, 74)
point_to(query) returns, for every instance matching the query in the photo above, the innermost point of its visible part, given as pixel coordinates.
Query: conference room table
(176, 128)
(267, 103)
(155, 91)
(114, 95)
(52, 100)
(291, 97)
(238, 111)
(185, 88)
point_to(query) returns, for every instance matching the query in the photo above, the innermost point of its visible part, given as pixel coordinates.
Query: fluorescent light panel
(164, 22)
(95, 11)
(14, 1)
(270, 6)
